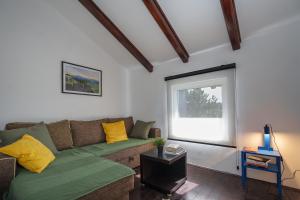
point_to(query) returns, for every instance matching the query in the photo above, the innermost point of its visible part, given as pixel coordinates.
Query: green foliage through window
(200, 102)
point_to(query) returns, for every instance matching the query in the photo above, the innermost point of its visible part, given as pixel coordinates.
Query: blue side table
(274, 168)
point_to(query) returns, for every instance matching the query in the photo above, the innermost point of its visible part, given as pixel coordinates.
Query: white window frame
(226, 80)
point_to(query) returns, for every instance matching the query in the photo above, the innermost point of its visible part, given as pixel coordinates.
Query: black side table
(164, 172)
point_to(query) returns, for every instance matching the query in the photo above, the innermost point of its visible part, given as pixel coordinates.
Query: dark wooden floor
(204, 184)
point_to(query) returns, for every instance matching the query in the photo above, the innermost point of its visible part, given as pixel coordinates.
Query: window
(201, 108)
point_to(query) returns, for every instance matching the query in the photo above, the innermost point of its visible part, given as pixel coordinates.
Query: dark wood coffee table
(164, 172)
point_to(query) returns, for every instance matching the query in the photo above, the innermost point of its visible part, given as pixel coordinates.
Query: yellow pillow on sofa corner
(30, 153)
(115, 132)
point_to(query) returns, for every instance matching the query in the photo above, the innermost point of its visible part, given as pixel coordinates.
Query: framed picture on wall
(77, 79)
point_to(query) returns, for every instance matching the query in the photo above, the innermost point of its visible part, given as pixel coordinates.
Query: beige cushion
(128, 123)
(87, 132)
(60, 133)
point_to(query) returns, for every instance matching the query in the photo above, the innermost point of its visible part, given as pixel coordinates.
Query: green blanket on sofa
(104, 149)
(73, 174)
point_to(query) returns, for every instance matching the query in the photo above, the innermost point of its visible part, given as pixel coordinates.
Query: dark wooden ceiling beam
(232, 24)
(116, 32)
(166, 27)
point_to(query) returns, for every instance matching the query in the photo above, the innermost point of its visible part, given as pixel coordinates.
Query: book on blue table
(258, 161)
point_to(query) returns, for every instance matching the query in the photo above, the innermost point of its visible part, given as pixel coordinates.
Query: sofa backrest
(67, 134)
(87, 132)
(16, 125)
(60, 132)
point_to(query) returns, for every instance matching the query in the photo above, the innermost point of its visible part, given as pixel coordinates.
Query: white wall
(34, 39)
(268, 69)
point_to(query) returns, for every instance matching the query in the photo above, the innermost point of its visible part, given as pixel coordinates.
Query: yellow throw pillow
(30, 153)
(115, 132)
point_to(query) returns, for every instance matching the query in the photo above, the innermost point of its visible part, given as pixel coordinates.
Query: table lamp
(267, 139)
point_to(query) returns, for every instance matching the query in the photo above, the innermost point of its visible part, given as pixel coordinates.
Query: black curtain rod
(202, 71)
(206, 143)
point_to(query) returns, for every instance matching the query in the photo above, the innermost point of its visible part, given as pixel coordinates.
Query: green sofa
(87, 170)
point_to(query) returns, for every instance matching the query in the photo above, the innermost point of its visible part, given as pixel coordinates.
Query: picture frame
(82, 80)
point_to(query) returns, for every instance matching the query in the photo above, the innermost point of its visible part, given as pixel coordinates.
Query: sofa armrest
(154, 133)
(7, 171)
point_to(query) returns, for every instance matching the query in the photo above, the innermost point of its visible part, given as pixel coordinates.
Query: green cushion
(39, 131)
(141, 129)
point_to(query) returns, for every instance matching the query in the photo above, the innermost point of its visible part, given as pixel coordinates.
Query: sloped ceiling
(198, 23)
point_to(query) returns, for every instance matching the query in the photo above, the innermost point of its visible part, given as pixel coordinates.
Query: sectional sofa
(86, 167)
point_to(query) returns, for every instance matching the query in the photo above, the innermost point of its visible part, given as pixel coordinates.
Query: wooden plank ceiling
(167, 29)
(116, 32)
(229, 13)
(232, 24)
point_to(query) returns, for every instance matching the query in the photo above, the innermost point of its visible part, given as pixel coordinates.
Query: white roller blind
(201, 108)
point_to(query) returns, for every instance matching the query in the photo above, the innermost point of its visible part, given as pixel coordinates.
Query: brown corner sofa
(69, 135)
